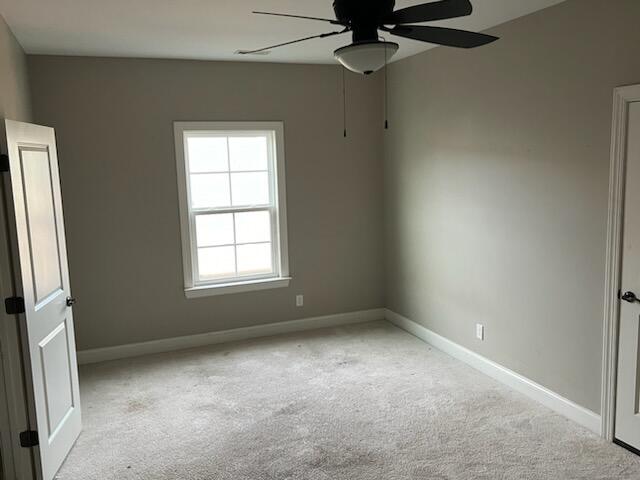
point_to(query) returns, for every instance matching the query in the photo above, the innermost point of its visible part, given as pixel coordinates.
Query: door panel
(56, 377)
(41, 222)
(627, 427)
(43, 278)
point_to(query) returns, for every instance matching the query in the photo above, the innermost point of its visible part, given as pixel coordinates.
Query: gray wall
(113, 119)
(496, 181)
(14, 89)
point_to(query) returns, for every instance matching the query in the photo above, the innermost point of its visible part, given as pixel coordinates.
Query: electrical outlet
(479, 331)
(299, 300)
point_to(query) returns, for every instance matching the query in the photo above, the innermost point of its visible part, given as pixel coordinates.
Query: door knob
(629, 297)
(70, 301)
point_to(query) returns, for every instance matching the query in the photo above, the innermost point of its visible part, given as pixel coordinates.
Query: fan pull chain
(344, 102)
(386, 95)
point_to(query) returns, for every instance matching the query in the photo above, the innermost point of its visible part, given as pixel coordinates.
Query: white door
(627, 427)
(43, 279)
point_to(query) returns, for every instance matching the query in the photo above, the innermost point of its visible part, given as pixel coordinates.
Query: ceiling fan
(365, 18)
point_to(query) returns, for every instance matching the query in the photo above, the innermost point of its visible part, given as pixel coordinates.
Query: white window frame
(277, 208)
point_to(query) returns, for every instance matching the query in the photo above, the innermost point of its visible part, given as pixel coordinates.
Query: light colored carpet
(360, 403)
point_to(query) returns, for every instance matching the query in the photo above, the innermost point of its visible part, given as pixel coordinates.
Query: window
(232, 206)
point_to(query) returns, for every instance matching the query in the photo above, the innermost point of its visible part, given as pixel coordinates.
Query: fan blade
(322, 35)
(428, 12)
(442, 36)
(333, 22)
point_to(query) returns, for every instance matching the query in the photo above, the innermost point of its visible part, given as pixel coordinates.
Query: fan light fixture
(366, 57)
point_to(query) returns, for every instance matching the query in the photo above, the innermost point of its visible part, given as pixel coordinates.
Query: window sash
(275, 247)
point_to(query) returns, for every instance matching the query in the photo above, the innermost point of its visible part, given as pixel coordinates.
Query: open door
(43, 295)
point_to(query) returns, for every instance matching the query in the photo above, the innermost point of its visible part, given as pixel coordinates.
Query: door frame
(622, 97)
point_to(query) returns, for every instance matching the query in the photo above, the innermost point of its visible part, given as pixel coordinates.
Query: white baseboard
(543, 395)
(224, 336)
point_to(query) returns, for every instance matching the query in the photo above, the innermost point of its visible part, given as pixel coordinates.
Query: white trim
(622, 96)
(238, 287)
(277, 209)
(224, 336)
(535, 391)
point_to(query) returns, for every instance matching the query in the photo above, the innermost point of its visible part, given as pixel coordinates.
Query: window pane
(207, 154)
(210, 190)
(213, 230)
(248, 153)
(253, 227)
(216, 262)
(254, 259)
(250, 188)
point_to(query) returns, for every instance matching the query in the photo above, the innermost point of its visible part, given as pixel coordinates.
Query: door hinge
(14, 305)
(4, 163)
(29, 439)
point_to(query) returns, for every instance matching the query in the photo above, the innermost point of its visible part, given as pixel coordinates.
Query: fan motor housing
(364, 16)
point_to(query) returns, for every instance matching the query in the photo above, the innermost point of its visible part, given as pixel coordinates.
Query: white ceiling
(208, 29)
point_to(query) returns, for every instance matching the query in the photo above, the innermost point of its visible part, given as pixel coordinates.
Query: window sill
(236, 287)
